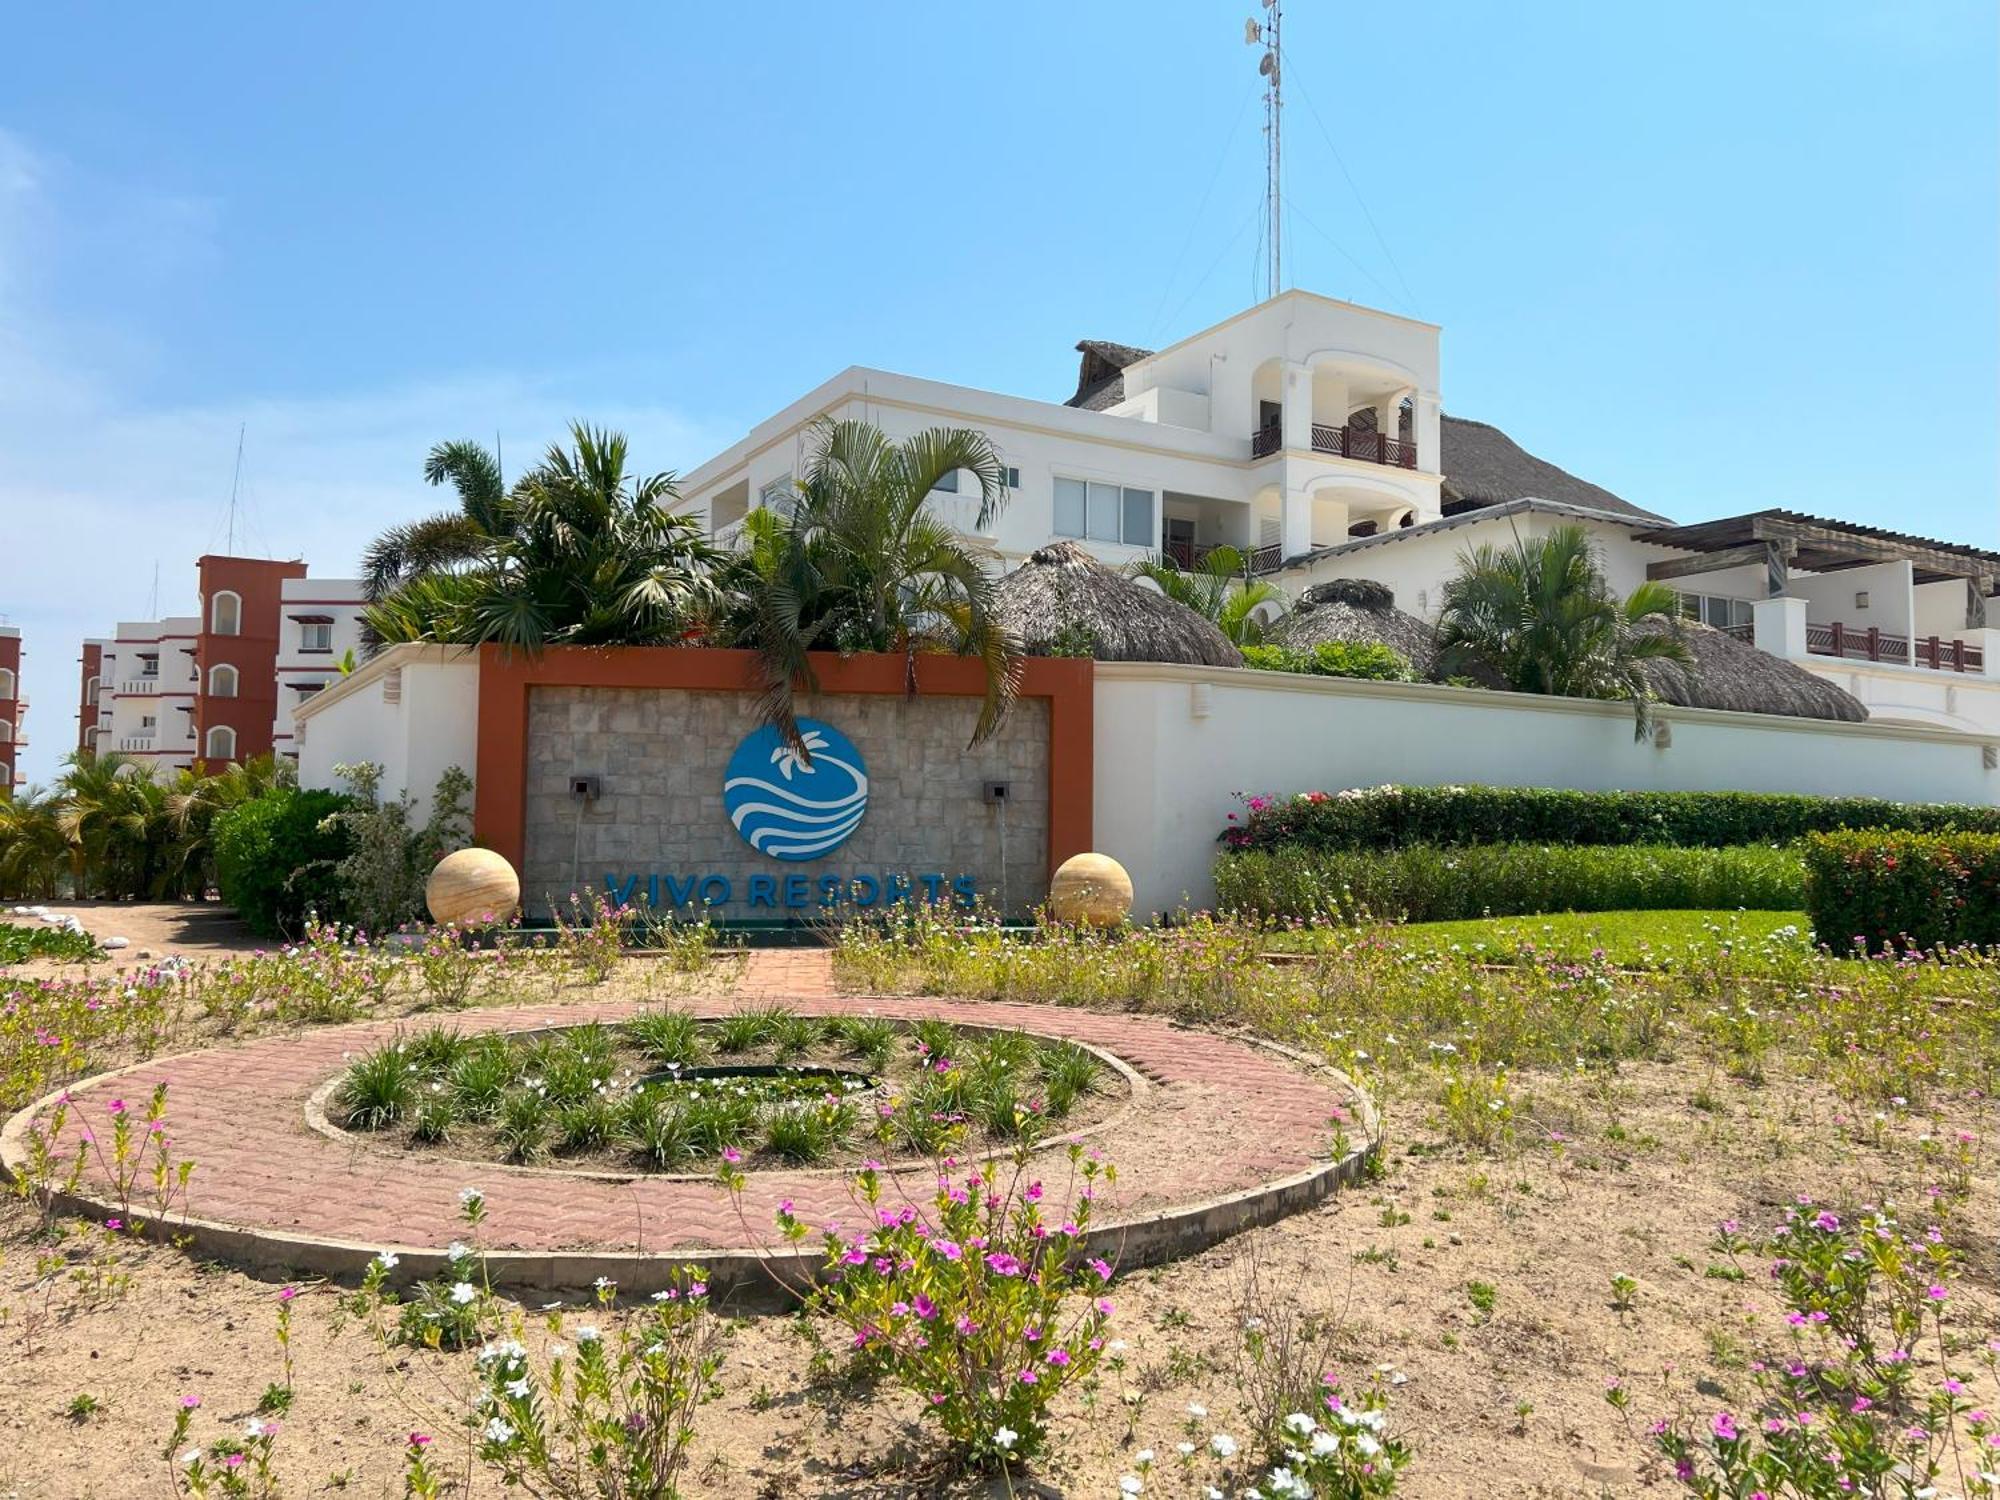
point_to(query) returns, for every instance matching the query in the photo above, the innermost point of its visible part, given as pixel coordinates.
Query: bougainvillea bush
(1928, 890)
(987, 1304)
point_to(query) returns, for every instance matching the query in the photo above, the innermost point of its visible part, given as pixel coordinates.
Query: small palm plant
(1217, 588)
(856, 560)
(1539, 617)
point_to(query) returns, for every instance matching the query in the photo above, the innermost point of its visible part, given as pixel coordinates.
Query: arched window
(90, 691)
(221, 743)
(225, 614)
(6, 682)
(6, 731)
(222, 681)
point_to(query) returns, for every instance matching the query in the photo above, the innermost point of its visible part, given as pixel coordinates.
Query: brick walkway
(1221, 1116)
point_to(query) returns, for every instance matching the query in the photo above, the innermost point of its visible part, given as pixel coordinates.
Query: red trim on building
(500, 794)
(258, 584)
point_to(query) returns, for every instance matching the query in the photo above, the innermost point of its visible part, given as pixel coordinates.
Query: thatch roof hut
(1064, 602)
(1732, 674)
(1359, 611)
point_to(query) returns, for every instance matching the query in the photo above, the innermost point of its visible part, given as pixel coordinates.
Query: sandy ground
(154, 929)
(1506, 1404)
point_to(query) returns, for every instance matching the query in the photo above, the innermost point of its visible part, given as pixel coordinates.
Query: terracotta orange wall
(500, 795)
(253, 652)
(86, 711)
(10, 710)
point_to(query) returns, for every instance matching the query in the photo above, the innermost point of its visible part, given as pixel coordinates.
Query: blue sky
(1713, 256)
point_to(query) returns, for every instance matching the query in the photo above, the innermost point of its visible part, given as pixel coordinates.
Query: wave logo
(787, 808)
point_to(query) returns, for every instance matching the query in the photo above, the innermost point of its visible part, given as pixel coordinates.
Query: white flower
(456, 1250)
(464, 1292)
(388, 1260)
(1365, 1444)
(469, 1196)
(662, 1295)
(1130, 1484)
(498, 1431)
(1300, 1423)
(1223, 1444)
(1324, 1443)
(1185, 1450)
(255, 1429)
(1004, 1438)
(1133, 1398)
(587, 1333)
(1143, 1457)
(558, 1349)
(518, 1388)
(1197, 1410)
(192, 1456)
(604, 1283)
(1212, 1493)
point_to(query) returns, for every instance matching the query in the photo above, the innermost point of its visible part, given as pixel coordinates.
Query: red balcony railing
(1869, 643)
(1369, 447)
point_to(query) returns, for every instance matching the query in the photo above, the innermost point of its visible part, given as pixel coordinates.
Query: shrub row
(1428, 883)
(1369, 659)
(1936, 890)
(1388, 817)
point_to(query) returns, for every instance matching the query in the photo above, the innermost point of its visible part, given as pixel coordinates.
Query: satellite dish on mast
(1252, 33)
(1265, 64)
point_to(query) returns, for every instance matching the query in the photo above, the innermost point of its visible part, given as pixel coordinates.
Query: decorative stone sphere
(472, 886)
(1091, 889)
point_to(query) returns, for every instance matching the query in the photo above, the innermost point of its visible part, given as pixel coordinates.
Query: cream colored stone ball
(472, 886)
(1091, 889)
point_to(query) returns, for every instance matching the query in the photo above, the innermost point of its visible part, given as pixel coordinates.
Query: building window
(6, 731)
(148, 723)
(1104, 512)
(1011, 478)
(778, 496)
(6, 683)
(1716, 610)
(225, 614)
(149, 667)
(316, 635)
(222, 681)
(947, 484)
(91, 689)
(221, 743)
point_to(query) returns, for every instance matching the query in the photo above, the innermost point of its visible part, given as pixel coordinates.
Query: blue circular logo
(787, 808)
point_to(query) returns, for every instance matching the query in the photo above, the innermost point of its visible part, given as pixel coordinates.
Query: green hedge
(274, 862)
(1427, 883)
(1369, 659)
(1388, 817)
(1936, 890)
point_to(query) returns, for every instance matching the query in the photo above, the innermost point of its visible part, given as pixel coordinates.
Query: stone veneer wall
(660, 755)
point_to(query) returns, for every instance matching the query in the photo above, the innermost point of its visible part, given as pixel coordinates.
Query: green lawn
(1631, 939)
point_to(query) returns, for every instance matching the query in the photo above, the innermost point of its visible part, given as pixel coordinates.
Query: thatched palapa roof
(1734, 675)
(1359, 611)
(1064, 601)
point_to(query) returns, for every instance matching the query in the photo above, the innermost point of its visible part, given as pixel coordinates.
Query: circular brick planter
(1220, 1134)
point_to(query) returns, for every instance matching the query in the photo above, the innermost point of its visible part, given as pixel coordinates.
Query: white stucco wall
(1165, 776)
(432, 725)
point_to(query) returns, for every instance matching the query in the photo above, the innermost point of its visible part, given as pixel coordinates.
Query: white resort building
(1309, 434)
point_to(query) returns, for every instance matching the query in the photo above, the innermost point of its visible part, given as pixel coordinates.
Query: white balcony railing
(136, 742)
(139, 686)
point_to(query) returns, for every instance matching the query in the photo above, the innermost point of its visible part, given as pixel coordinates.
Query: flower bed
(791, 1090)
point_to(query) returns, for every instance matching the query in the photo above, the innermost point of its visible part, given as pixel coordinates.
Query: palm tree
(34, 852)
(113, 817)
(1540, 618)
(855, 560)
(448, 540)
(1217, 589)
(586, 555)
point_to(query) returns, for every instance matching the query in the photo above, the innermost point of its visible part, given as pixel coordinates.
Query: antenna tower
(1265, 33)
(235, 480)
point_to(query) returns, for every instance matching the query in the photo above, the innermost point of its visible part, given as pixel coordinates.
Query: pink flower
(117, 1106)
(1059, 1357)
(1724, 1427)
(420, 1440)
(189, 1403)
(1028, 1376)
(924, 1307)
(1936, 1292)
(948, 1249)
(1002, 1264)
(1102, 1268)
(286, 1293)
(731, 1155)
(1033, 1192)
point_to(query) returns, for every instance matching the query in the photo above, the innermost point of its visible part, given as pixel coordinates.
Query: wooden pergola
(1781, 540)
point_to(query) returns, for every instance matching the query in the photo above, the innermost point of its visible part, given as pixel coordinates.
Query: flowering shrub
(1886, 888)
(978, 1304)
(236, 1468)
(613, 1419)
(1863, 1399)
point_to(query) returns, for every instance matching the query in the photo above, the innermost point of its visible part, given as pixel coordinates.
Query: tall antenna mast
(234, 480)
(153, 602)
(1268, 65)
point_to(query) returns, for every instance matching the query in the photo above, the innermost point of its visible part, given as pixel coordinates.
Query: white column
(1295, 522)
(1429, 428)
(1987, 642)
(1779, 625)
(1298, 399)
